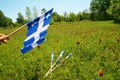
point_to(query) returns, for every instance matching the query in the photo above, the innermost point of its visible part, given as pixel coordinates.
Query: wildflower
(100, 39)
(63, 62)
(57, 40)
(18, 47)
(76, 33)
(74, 65)
(38, 46)
(78, 42)
(100, 73)
(113, 49)
(84, 37)
(118, 39)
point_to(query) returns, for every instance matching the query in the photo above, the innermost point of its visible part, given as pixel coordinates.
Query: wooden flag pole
(16, 30)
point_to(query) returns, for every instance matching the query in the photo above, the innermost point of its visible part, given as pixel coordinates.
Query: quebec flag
(37, 30)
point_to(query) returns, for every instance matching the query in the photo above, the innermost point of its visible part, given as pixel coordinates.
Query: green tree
(79, 17)
(28, 13)
(20, 19)
(56, 17)
(85, 15)
(98, 9)
(2, 19)
(9, 22)
(65, 16)
(5, 21)
(35, 12)
(114, 10)
(72, 17)
(94, 9)
(43, 11)
(114, 2)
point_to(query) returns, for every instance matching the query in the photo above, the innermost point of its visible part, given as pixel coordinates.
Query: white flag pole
(53, 68)
(52, 58)
(61, 62)
(16, 30)
(61, 54)
(52, 65)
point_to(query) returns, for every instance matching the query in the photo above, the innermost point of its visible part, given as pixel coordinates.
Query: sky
(11, 8)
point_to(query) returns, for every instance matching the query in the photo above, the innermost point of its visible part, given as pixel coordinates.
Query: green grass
(95, 46)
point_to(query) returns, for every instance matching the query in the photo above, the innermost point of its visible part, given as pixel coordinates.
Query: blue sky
(12, 7)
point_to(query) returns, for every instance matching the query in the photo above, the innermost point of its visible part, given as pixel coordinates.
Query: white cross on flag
(37, 30)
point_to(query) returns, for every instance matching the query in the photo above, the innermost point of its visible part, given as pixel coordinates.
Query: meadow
(95, 46)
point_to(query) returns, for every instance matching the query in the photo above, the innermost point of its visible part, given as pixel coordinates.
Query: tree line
(5, 21)
(105, 10)
(100, 10)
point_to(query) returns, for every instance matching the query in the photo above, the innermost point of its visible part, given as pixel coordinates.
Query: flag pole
(16, 30)
(52, 58)
(61, 62)
(53, 68)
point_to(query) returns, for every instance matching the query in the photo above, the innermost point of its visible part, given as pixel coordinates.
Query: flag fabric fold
(37, 30)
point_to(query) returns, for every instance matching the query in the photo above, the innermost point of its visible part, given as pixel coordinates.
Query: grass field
(95, 46)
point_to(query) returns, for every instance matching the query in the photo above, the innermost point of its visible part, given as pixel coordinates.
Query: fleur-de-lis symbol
(48, 15)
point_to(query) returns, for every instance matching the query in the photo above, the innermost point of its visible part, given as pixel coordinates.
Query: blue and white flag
(37, 30)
